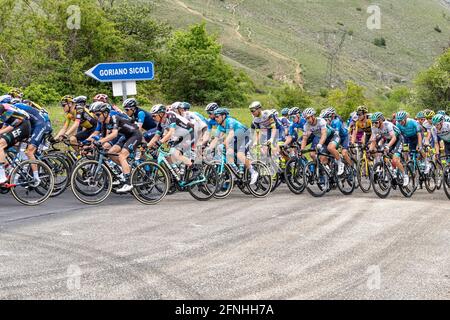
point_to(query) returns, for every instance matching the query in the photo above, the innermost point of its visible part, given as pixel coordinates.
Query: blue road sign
(122, 71)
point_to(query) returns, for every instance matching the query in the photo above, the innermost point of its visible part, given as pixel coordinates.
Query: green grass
(294, 29)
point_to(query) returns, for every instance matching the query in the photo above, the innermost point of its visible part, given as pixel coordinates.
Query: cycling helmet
(446, 118)
(186, 105)
(362, 109)
(99, 106)
(429, 114)
(5, 98)
(221, 111)
(332, 110)
(420, 115)
(177, 105)
(15, 93)
(80, 100)
(377, 116)
(211, 107)
(309, 112)
(65, 100)
(130, 103)
(442, 112)
(285, 111)
(294, 111)
(437, 118)
(401, 115)
(158, 108)
(326, 113)
(255, 105)
(101, 97)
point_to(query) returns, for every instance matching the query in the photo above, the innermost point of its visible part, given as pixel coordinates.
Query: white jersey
(444, 133)
(198, 123)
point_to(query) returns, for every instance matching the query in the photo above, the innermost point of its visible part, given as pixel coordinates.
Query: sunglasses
(253, 110)
(360, 114)
(375, 123)
(98, 114)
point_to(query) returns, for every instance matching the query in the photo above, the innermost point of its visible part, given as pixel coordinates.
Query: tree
(290, 96)
(193, 70)
(433, 85)
(346, 101)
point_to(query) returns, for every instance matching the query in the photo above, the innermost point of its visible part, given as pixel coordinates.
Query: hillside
(293, 40)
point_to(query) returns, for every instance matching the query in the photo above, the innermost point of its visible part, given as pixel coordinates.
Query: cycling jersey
(83, 115)
(285, 123)
(267, 120)
(173, 120)
(385, 132)
(430, 130)
(444, 133)
(339, 126)
(364, 126)
(295, 126)
(112, 113)
(231, 124)
(145, 118)
(410, 129)
(13, 116)
(316, 129)
(198, 122)
(36, 117)
(212, 124)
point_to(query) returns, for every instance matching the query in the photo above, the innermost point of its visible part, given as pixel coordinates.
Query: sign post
(123, 75)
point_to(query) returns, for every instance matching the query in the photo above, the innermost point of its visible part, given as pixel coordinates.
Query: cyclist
(391, 138)
(412, 133)
(362, 126)
(266, 127)
(130, 138)
(236, 138)
(16, 93)
(211, 121)
(327, 137)
(175, 130)
(101, 97)
(40, 127)
(338, 124)
(16, 128)
(297, 123)
(84, 122)
(142, 118)
(199, 121)
(443, 133)
(285, 122)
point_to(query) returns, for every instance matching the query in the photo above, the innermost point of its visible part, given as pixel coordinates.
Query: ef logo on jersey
(16, 133)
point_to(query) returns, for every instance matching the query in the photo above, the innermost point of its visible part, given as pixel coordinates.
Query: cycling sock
(36, 175)
(127, 178)
(2, 172)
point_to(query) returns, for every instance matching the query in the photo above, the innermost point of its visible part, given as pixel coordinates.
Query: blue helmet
(285, 111)
(401, 115)
(221, 111)
(186, 105)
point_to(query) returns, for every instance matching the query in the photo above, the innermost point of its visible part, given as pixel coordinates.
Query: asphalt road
(281, 247)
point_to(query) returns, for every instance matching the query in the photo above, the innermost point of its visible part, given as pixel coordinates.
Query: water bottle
(138, 154)
(241, 169)
(182, 170)
(175, 168)
(113, 166)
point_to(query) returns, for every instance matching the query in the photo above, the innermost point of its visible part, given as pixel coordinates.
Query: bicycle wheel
(316, 180)
(363, 175)
(26, 189)
(381, 180)
(208, 185)
(150, 183)
(225, 180)
(446, 181)
(91, 183)
(416, 173)
(61, 172)
(431, 179)
(263, 184)
(408, 190)
(294, 172)
(439, 174)
(346, 181)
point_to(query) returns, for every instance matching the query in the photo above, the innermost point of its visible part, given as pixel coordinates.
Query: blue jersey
(36, 117)
(145, 118)
(410, 129)
(212, 124)
(300, 125)
(231, 124)
(339, 126)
